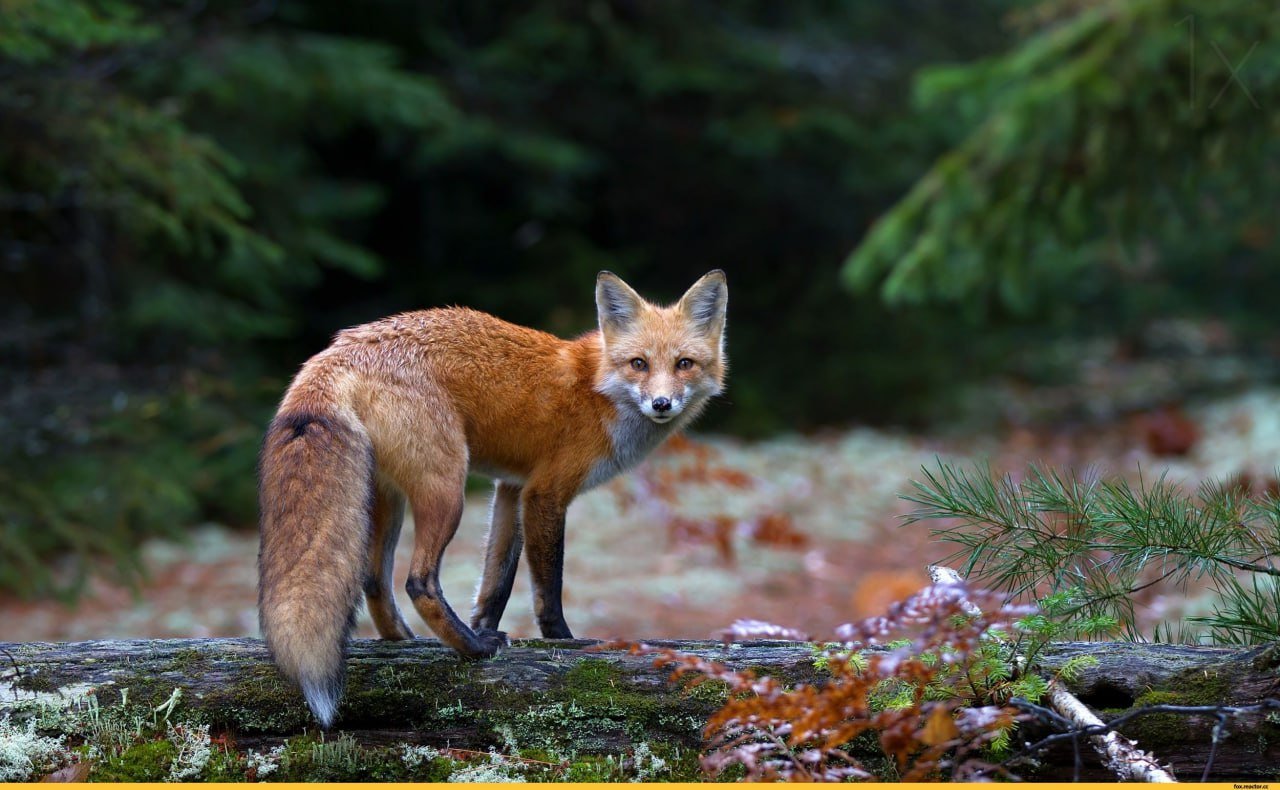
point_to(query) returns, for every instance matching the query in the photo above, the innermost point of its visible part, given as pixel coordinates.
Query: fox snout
(661, 408)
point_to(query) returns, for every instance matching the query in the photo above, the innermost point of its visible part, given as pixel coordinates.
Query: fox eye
(684, 363)
(639, 364)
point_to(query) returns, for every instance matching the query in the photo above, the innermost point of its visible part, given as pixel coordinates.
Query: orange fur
(397, 411)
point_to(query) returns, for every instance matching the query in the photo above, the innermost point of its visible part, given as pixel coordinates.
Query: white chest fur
(634, 436)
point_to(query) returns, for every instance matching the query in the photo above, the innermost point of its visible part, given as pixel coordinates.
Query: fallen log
(555, 696)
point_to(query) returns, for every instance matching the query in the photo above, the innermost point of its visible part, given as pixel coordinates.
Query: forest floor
(803, 531)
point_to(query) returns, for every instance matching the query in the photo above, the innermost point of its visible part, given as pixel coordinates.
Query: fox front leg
(542, 514)
(501, 558)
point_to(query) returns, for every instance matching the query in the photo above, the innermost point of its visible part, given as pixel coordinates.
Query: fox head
(668, 361)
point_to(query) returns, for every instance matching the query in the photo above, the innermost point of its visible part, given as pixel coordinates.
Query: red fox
(400, 409)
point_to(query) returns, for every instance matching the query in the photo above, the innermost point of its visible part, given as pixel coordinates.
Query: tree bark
(552, 694)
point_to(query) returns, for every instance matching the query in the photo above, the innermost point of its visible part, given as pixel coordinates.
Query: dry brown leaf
(76, 772)
(940, 728)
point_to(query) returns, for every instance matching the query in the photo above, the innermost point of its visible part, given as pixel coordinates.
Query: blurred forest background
(949, 217)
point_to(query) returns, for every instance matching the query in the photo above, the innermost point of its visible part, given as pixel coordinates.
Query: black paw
(556, 631)
(490, 640)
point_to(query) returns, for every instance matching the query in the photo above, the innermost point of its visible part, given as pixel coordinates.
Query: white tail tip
(322, 698)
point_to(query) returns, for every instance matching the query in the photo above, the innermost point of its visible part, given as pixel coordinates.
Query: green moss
(788, 676)
(596, 709)
(734, 773)
(186, 659)
(297, 752)
(541, 755)
(298, 763)
(683, 763)
(540, 644)
(341, 758)
(592, 714)
(568, 728)
(592, 674)
(711, 692)
(598, 685)
(1166, 730)
(1204, 687)
(593, 769)
(143, 762)
(1198, 687)
(427, 695)
(1159, 698)
(223, 767)
(262, 702)
(437, 770)
(144, 690)
(36, 681)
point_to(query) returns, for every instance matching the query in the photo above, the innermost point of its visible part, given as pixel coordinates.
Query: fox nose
(661, 405)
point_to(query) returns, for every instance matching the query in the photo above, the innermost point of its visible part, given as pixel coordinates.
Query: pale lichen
(415, 755)
(496, 769)
(648, 766)
(24, 752)
(263, 765)
(194, 748)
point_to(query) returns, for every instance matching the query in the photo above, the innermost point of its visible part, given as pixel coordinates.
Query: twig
(17, 672)
(1119, 721)
(1213, 747)
(467, 753)
(1120, 754)
(1270, 570)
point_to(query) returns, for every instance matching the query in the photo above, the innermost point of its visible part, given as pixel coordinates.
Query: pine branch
(1102, 541)
(1270, 570)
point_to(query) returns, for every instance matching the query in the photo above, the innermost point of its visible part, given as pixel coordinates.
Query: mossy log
(558, 695)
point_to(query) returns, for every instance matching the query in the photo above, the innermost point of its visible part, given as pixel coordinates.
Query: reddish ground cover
(803, 531)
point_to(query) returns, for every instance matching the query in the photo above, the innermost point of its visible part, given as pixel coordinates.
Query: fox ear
(617, 304)
(706, 302)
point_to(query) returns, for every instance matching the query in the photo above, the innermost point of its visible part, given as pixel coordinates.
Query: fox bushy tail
(316, 497)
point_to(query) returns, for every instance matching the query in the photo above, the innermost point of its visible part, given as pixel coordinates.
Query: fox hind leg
(502, 557)
(388, 516)
(437, 509)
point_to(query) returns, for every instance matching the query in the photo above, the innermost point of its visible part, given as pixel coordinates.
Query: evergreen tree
(1117, 134)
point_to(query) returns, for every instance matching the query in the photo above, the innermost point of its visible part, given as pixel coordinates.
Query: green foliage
(176, 196)
(160, 460)
(206, 192)
(1093, 544)
(123, 139)
(1116, 133)
(39, 31)
(1059, 617)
